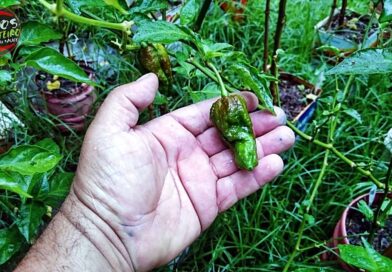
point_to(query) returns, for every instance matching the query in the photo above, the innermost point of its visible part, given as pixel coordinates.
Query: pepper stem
(221, 84)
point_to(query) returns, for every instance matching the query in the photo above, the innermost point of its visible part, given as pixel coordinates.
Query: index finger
(196, 118)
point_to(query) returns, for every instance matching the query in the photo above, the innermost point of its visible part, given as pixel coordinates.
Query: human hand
(157, 186)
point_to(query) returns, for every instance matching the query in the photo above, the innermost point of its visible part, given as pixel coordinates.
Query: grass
(260, 232)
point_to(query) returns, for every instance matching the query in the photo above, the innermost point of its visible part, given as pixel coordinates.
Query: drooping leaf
(388, 140)
(189, 12)
(149, 6)
(386, 15)
(31, 159)
(35, 33)
(364, 258)
(160, 32)
(8, 3)
(54, 189)
(251, 81)
(13, 182)
(29, 219)
(354, 114)
(366, 61)
(51, 61)
(10, 243)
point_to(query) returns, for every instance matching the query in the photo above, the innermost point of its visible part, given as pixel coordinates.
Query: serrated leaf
(366, 61)
(8, 3)
(160, 32)
(54, 190)
(354, 114)
(386, 14)
(10, 243)
(388, 140)
(52, 62)
(29, 219)
(31, 159)
(150, 5)
(189, 12)
(35, 33)
(14, 183)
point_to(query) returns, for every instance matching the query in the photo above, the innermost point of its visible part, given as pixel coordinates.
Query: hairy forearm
(76, 240)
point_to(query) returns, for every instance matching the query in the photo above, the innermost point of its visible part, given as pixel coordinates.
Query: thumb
(120, 110)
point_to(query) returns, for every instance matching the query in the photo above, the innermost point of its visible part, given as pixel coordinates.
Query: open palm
(159, 185)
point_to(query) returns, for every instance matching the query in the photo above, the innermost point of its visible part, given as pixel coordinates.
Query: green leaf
(364, 208)
(5, 76)
(117, 5)
(8, 3)
(76, 5)
(35, 33)
(386, 15)
(388, 140)
(51, 61)
(249, 79)
(160, 32)
(31, 159)
(354, 114)
(29, 219)
(210, 90)
(13, 182)
(213, 49)
(367, 61)
(54, 190)
(10, 243)
(189, 12)
(365, 258)
(150, 6)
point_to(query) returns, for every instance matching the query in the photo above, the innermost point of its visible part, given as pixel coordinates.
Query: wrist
(77, 239)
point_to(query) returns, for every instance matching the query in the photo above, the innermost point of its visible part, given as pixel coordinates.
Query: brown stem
(330, 18)
(278, 35)
(202, 15)
(342, 12)
(266, 34)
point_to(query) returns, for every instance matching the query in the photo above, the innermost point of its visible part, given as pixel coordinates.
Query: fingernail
(281, 115)
(146, 76)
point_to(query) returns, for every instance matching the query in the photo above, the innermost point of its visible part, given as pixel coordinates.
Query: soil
(357, 225)
(293, 97)
(351, 30)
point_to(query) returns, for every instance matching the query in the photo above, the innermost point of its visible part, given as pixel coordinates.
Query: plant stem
(124, 26)
(202, 15)
(59, 6)
(221, 84)
(376, 215)
(342, 12)
(330, 18)
(266, 34)
(278, 35)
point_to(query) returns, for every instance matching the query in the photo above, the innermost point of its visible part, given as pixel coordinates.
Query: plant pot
(71, 104)
(299, 103)
(341, 234)
(346, 40)
(236, 7)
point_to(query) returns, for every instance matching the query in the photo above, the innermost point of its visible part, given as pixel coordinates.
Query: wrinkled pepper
(154, 58)
(230, 116)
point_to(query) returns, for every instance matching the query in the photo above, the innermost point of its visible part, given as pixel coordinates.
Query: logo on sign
(9, 30)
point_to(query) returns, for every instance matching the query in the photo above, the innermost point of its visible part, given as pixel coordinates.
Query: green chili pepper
(230, 116)
(154, 58)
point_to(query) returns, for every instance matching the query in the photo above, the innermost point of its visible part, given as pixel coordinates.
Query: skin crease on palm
(154, 188)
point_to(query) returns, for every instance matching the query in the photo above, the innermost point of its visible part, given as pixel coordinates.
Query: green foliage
(365, 258)
(386, 15)
(7, 3)
(190, 11)
(35, 33)
(367, 212)
(160, 32)
(150, 6)
(50, 61)
(366, 61)
(28, 171)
